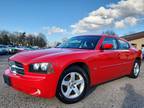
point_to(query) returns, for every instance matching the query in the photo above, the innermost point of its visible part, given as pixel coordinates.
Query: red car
(70, 69)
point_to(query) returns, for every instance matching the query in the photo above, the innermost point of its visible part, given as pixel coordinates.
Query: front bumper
(42, 86)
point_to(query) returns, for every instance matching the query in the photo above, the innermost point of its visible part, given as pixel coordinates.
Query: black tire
(59, 93)
(133, 75)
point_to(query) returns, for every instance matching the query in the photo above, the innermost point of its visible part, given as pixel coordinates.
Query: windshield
(81, 42)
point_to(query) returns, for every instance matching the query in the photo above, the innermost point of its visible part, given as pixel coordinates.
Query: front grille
(16, 67)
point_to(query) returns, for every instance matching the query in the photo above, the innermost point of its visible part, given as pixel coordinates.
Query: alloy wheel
(136, 69)
(72, 85)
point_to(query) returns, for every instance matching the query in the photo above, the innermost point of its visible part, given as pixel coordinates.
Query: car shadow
(93, 88)
(132, 99)
(90, 90)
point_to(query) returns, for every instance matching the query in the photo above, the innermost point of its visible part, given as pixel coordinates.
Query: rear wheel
(136, 69)
(72, 85)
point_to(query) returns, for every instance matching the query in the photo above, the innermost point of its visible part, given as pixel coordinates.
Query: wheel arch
(82, 65)
(139, 60)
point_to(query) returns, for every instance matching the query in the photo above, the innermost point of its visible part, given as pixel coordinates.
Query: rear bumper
(41, 86)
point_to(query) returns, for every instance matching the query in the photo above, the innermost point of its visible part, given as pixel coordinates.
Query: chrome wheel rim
(136, 69)
(72, 85)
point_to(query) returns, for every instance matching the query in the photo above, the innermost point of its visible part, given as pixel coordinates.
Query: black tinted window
(81, 42)
(123, 45)
(112, 41)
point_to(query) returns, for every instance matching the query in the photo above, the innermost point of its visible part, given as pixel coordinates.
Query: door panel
(109, 66)
(108, 62)
(126, 57)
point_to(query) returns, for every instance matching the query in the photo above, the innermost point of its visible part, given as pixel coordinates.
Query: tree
(64, 39)
(6, 40)
(41, 40)
(4, 37)
(22, 39)
(109, 32)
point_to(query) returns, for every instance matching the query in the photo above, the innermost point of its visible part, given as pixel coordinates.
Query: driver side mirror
(107, 46)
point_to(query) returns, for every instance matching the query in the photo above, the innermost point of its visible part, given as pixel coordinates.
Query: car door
(126, 56)
(108, 61)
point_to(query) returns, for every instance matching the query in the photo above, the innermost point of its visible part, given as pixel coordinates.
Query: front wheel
(72, 85)
(136, 69)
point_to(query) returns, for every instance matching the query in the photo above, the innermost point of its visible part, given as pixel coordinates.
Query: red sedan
(70, 69)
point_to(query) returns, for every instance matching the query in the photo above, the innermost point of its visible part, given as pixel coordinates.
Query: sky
(59, 19)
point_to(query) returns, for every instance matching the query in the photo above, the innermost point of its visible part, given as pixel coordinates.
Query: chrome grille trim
(16, 67)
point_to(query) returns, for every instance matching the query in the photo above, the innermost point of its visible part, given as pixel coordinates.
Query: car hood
(28, 56)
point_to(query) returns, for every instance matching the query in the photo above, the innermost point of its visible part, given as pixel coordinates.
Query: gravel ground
(121, 93)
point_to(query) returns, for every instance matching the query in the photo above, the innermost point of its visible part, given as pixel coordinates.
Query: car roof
(105, 35)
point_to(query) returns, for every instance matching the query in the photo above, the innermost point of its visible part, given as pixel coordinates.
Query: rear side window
(123, 45)
(112, 41)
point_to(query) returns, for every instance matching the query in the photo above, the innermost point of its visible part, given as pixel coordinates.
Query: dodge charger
(70, 69)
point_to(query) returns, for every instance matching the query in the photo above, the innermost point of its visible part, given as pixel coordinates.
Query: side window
(112, 41)
(123, 45)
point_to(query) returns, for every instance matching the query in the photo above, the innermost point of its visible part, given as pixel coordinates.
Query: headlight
(44, 66)
(41, 68)
(36, 66)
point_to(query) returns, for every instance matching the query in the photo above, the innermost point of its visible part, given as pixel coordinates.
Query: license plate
(7, 80)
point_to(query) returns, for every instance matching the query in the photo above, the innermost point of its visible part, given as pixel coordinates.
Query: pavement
(121, 93)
